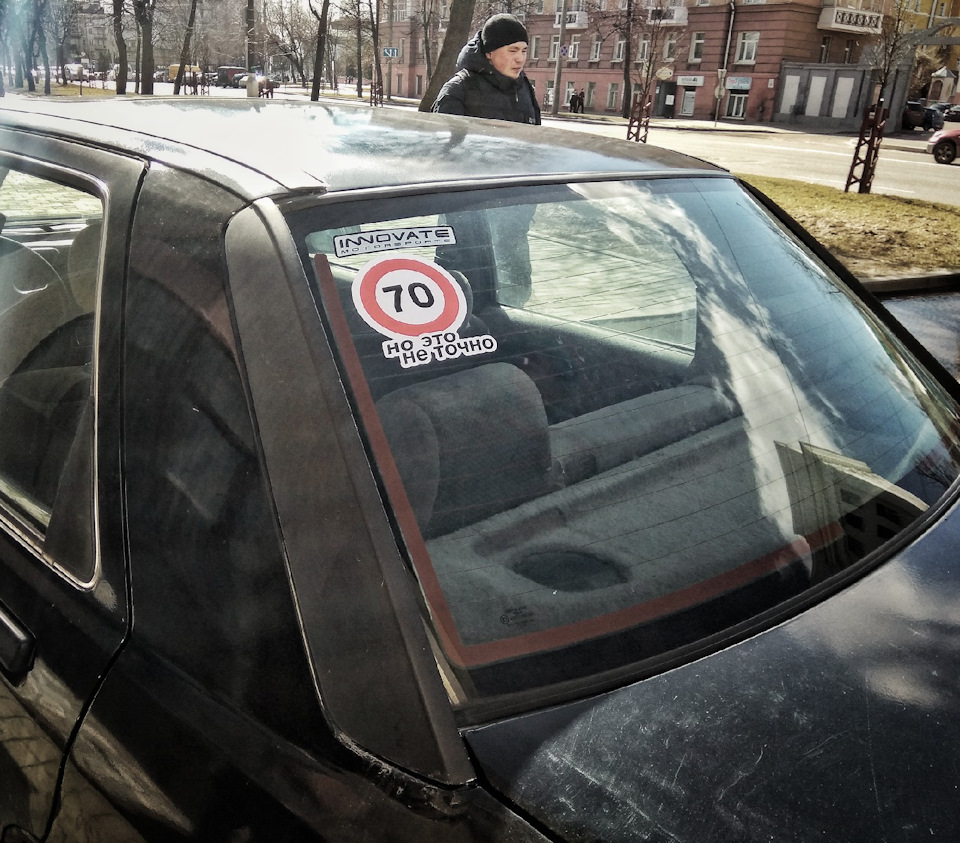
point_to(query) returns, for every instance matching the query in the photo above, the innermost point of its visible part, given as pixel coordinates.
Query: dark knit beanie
(501, 30)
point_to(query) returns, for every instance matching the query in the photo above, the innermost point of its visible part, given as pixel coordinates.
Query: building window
(535, 47)
(400, 11)
(696, 46)
(401, 48)
(849, 51)
(554, 47)
(595, 51)
(574, 48)
(643, 49)
(568, 92)
(539, 7)
(618, 49)
(670, 47)
(747, 47)
(613, 95)
(419, 85)
(737, 104)
(825, 49)
(591, 93)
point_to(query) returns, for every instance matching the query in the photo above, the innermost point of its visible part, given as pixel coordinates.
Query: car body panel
(76, 626)
(838, 724)
(350, 148)
(943, 145)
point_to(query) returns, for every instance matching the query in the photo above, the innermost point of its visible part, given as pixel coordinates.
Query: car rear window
(616, 419)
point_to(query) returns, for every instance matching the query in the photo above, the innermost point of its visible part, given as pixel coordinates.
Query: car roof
(261, 147)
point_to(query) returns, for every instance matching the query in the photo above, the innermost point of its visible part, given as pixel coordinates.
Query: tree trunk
(627, 104)
(143, 11)
(359, 52)
(146, 57)
(321, 47)
(185, 51)
(46, 62)
(376, 83)
(458, 33)
(121, 78)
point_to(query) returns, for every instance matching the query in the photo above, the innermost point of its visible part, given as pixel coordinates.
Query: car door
(63, 602)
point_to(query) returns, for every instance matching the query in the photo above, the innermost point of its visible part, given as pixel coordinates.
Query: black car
(452, 480)
(917, 115)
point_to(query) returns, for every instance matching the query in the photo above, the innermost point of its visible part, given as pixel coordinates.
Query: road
(903, 169)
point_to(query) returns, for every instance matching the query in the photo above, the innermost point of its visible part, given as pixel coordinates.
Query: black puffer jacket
(478, 90)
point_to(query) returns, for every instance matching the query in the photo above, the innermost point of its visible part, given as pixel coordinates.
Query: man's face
(509, 60)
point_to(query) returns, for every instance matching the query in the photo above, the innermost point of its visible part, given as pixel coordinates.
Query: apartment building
(804, 62)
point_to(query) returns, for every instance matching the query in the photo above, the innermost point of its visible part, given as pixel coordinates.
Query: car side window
(49, 265)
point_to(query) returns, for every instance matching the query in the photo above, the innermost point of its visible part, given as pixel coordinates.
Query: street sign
(391, 52)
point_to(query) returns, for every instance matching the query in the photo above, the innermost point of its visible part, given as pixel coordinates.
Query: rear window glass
(614, 419)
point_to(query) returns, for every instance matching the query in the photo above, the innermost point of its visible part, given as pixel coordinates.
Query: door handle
(17, 646)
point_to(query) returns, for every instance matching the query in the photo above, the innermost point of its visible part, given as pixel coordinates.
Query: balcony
(575, 20)
(849, 19)
(671, 16)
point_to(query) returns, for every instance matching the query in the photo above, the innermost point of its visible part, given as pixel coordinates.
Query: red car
(943, 145)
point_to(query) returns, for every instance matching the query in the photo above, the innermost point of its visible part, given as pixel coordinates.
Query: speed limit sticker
(408, 296)
(419, 305)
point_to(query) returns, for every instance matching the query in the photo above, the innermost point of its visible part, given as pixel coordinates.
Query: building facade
(804, 62)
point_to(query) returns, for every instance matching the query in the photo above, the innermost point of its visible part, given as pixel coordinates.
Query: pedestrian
(580, 101)
(490, 81)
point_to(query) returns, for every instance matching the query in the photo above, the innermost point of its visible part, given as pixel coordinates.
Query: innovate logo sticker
(368, 242)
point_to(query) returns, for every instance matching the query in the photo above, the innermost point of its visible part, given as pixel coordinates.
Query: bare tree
(143, 11)
(122, 61)
(321, 43)
(647, 23)
(373, 20)
(458, 31)
(289, 31)
(426, 19)
(185, 50)
(893, 46)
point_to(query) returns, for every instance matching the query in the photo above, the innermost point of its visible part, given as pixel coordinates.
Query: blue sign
(391, 52)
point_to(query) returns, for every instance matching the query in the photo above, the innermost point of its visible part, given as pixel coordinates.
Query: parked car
(952, 114)
(943, 145)
(917, 115)
(453, 480)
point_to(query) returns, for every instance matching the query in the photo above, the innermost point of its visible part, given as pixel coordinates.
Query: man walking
(490, 81)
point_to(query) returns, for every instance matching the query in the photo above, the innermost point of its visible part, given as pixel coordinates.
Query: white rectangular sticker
(367, 242)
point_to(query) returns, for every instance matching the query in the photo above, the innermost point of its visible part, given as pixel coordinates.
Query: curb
(907, 285)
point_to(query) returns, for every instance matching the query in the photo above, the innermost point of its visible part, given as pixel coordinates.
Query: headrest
(468, 445)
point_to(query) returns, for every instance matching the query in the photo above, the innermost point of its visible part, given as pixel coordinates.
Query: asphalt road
(903, 169)
(935, 321)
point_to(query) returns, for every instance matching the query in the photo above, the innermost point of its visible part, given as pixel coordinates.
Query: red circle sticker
(408, 297)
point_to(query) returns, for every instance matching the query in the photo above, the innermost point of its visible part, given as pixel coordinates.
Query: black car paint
(227, 745)
(74, 630)
(839, 724)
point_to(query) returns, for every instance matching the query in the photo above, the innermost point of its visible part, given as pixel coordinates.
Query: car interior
(645, 456)
(49, 259)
